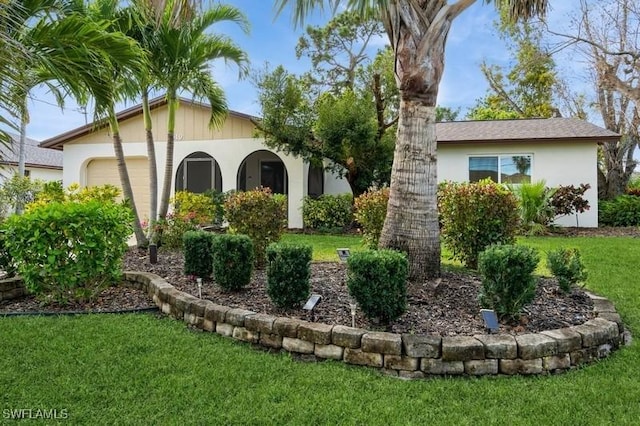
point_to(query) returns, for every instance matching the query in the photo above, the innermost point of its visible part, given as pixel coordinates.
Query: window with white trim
(511, 168)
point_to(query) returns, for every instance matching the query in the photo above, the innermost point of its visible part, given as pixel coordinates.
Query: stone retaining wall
(11, 288)
(403, 355)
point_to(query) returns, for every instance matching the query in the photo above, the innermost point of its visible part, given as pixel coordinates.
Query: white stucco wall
(556, 163)
(46, 175)
(228, 153)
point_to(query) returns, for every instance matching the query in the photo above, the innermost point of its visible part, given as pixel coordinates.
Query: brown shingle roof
(35, 156)
(524, 130)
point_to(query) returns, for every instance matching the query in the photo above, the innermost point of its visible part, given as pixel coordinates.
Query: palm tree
(180, 58)
(417, 31)
(59, 45)
(122, 82)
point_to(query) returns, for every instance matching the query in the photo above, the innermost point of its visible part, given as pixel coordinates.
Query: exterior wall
(556, 163)
(46, 175)
(228, 153)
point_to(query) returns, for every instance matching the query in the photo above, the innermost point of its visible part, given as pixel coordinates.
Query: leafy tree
(526, 90)
(417, 31)
(344, 110)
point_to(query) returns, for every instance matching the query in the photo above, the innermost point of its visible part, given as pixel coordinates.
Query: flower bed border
(409, 356)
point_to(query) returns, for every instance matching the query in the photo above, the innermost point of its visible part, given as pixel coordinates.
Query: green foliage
(217, 198)
(71, 250)
(526, 90)
(199, 208)
(621, 211)
(566, 265)
(288, 273)
(377, 280)
(346, 125)
(328, 212)
(170, 230)
(258, 214)
(17, 192)
(474, 216)
(233, 258)
(508, 283)
(6, 261)
(534, 202)
(343, 110)
(198, 253)
(371, 210)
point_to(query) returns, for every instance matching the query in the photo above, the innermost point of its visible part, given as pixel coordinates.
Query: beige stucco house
(561, 151)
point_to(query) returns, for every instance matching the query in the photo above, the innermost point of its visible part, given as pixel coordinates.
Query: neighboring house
(561, 151)
(40, 163)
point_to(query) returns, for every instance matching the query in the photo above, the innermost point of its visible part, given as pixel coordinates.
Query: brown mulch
(448, 306)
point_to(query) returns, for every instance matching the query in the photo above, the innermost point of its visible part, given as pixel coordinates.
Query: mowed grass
(146, 369)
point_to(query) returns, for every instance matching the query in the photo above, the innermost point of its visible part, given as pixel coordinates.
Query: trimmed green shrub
(288, 274)
(328, 213)
(258, 214)
(233, 258)
(507, 278)
(474, 216)
(566, 265)
(370, 212)
(377, 280)
(621, 211)
(71, 250)
(198, 253)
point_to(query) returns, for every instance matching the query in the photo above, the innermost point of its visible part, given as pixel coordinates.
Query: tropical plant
(371, 208)
(417, 31)
(288, 272)
(180, 56)
(18, 191)
(328, 212)
(534, 203)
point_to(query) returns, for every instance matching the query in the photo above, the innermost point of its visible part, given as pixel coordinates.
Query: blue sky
(472, 39)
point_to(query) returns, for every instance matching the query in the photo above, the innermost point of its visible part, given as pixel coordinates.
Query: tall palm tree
(122, 80)
(58, 44)
(180, 60)
(417, 31)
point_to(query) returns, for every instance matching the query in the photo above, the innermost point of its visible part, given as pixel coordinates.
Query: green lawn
(144, 369)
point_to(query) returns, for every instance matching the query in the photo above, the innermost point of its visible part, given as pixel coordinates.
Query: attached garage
(103, 171)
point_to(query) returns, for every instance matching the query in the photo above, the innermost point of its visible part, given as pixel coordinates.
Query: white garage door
(105, 170)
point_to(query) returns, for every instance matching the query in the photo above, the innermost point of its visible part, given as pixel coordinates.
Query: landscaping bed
(447, 306)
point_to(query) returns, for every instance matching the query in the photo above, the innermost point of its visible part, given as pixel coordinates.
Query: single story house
(561, 151)
(40, 163)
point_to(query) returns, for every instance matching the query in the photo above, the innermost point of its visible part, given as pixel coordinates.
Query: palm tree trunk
(168, 169)
(22, 154)
(153, 168)
(411, 225)
(125, 182)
